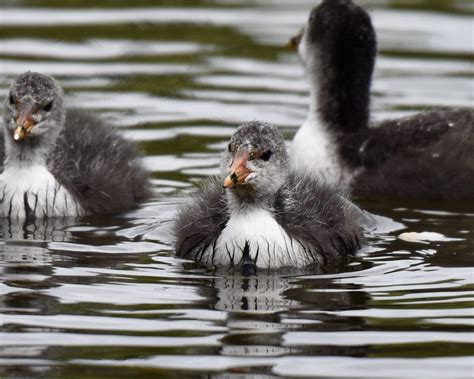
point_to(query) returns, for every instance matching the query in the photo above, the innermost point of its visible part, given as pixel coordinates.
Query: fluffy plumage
(429, 155)
(315, 222)
(72, 164)
(98, 165)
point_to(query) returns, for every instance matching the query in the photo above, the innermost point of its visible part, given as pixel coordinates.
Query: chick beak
(294, 41)
(24, 124)
(238, 170)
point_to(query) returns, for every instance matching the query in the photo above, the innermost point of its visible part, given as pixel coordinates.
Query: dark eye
(266, 155)
(48, 106)
(11, 100)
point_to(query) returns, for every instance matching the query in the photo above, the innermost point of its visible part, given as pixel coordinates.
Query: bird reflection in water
(26, 261)
(258, 308)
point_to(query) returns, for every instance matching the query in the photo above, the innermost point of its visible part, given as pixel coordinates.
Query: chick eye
(266, 155)
(48, 106)
(231, 148)
(11, 100)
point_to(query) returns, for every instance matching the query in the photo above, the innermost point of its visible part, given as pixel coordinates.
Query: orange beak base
(238, 170)
(24, 125)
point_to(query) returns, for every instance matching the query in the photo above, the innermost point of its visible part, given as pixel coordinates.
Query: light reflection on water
(107, 297)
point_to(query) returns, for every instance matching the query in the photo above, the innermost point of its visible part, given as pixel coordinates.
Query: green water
(107, 298)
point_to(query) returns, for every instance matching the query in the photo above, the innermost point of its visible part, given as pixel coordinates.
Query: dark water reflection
(106, 297)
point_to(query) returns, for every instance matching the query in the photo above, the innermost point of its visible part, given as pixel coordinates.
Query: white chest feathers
(313, 152)
(255, 236)
(34, 192)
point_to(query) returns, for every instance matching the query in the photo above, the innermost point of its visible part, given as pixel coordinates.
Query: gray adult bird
(429, 155)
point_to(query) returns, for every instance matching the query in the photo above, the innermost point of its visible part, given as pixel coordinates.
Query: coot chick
(265, 216)
(58, 165)
(429, 155)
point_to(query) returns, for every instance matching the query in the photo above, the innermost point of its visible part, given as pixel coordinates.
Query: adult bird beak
(238, 170)
(24, 124)
(294, 41)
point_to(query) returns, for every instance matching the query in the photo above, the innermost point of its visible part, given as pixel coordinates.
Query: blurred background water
(106, 297)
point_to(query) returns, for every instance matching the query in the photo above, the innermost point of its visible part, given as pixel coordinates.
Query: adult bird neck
(342, 103)
(340, 81)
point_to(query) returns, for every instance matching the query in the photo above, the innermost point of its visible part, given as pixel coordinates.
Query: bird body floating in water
(259, 214)
(429, 155)
(58, 163)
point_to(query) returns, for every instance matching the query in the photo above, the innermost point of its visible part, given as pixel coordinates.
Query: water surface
(106, 297)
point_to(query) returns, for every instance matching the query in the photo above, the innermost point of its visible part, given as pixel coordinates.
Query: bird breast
(33, 192)
(255, 236)
(313, 152)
